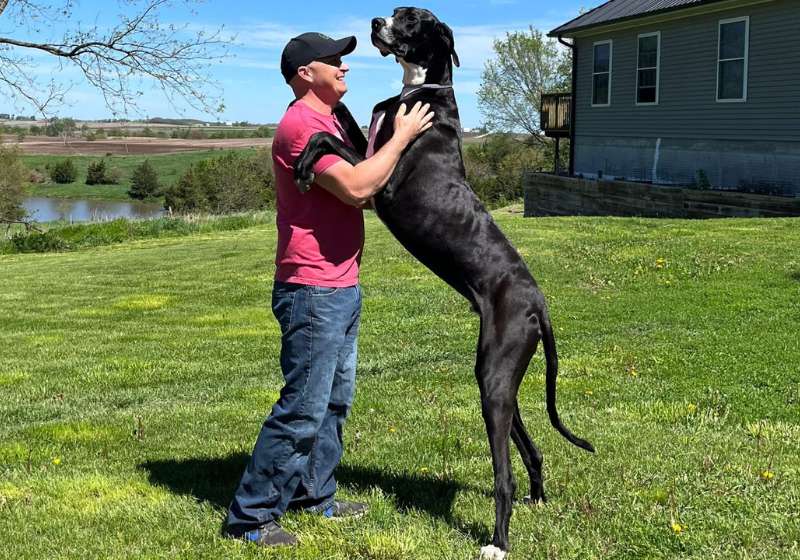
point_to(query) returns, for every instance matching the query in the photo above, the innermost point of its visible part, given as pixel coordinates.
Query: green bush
(224, 185)
(97, 174)
(38, 242)
(63, 172)
(144, 182)
(262, 132)
(13, 183)
(496, 168)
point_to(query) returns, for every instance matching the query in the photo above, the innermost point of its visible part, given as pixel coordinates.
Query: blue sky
(252, 86)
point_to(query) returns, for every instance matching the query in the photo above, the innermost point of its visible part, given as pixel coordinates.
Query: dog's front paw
(304, 181)
(491, 552)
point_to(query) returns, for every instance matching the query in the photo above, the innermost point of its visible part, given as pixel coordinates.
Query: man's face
(328, 76)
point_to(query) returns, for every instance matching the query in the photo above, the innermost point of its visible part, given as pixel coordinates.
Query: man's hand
(409, 126)
(356, 185)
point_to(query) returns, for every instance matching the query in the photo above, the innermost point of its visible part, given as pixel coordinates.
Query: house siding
(689, 130)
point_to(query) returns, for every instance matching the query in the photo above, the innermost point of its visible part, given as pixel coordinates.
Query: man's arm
(357, 184)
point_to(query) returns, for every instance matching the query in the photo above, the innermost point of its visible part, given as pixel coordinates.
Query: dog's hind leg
(531, 457)
(504, 352)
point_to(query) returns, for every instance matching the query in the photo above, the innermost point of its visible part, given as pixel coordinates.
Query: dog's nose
(377, 23)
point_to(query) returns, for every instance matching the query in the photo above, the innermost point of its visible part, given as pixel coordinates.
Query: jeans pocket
(321, 291)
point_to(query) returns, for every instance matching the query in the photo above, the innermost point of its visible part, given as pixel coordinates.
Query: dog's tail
(551, 359)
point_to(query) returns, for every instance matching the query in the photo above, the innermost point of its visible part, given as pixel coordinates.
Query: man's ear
(304, 73)
(446, 35)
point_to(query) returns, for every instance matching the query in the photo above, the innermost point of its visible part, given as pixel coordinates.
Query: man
(316, 299)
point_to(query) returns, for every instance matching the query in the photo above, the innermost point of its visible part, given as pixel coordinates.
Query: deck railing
(555, 114)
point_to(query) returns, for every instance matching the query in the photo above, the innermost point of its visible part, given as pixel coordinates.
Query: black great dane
(431, 210)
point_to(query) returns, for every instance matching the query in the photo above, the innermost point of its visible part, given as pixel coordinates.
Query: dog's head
(415, 36)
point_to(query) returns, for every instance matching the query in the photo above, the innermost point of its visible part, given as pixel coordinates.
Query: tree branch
(28, 225)
(174, 59)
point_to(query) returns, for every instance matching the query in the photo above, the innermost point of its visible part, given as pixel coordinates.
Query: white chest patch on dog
(413, 74)
(491, 552)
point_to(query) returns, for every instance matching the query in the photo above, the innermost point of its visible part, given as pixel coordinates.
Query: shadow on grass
(214, 480)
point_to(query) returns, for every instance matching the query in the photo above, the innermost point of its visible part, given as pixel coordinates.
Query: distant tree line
(68, 128)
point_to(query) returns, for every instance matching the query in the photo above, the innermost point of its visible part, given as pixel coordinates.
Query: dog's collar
(408, 90)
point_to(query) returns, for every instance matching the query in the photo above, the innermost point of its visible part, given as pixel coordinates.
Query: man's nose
(377, 23)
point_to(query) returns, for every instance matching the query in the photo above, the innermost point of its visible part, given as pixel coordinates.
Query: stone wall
(548, 195)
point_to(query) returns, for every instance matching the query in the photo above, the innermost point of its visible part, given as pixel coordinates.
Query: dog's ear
(446, 34)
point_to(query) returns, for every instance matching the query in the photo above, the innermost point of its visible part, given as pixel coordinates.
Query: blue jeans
(300, 444)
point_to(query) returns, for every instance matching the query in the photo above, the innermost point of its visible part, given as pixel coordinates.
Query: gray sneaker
(345, 510)
(269, 534)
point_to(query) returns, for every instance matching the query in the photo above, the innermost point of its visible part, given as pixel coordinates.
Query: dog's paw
(304, 183)
(491, 552)
(538, 501)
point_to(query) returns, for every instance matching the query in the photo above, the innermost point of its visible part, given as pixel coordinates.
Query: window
(647, 74)
(732, 59)
(601, 74)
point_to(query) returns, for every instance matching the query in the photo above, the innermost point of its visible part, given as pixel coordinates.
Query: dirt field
(129, 146)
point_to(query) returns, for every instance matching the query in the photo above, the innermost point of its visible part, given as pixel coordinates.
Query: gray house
(676, 91)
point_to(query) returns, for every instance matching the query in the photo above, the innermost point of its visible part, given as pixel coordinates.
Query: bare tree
(525, 66)
(117, 61)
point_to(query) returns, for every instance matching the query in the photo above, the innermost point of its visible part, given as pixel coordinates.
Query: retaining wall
(549, 195)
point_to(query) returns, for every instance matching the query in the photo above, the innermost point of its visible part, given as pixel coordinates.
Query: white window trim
(722, 22)
(658, 70)
(610, 44)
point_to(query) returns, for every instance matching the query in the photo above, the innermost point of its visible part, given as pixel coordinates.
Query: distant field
(169, 167)
(43, 145)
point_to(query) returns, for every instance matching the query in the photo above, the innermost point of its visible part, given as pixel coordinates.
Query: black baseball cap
(305, 48)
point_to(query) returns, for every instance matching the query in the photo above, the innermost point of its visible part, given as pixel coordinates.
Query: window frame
(610, 43)
(657, 67)
(722, 22)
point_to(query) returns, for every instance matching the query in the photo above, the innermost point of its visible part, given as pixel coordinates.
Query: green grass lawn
(169, 168)
(134, 379)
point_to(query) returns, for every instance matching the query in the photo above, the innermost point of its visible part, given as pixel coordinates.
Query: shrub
(97, 174)
(496, 168)
(13, 183)
(38, 242)
(262, 132)
(223, 185)
(63, 171)
(144, 182)
(186, 194)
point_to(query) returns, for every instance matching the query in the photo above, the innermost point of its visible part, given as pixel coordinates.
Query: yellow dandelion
(419, 390)
(768, 475)
(659, 266)
(633, 373)
(392, 430)
(424, 469)
(561, 329)
(552, 297)
(56, 461)
(692, 406)
(589, 393)
(667, 282)
(677, 528)
(608, 297)
(659, 261)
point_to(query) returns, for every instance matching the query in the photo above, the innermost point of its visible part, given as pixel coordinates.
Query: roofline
(676, 12)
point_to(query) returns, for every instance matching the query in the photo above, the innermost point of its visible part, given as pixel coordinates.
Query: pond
(50, 209)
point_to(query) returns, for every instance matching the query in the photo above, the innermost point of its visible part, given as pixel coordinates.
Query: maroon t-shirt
(320, 238)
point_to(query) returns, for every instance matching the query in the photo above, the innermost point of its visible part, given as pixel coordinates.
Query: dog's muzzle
(383, 37)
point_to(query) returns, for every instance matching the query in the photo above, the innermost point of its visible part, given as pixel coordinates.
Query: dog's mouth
(386, 49)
